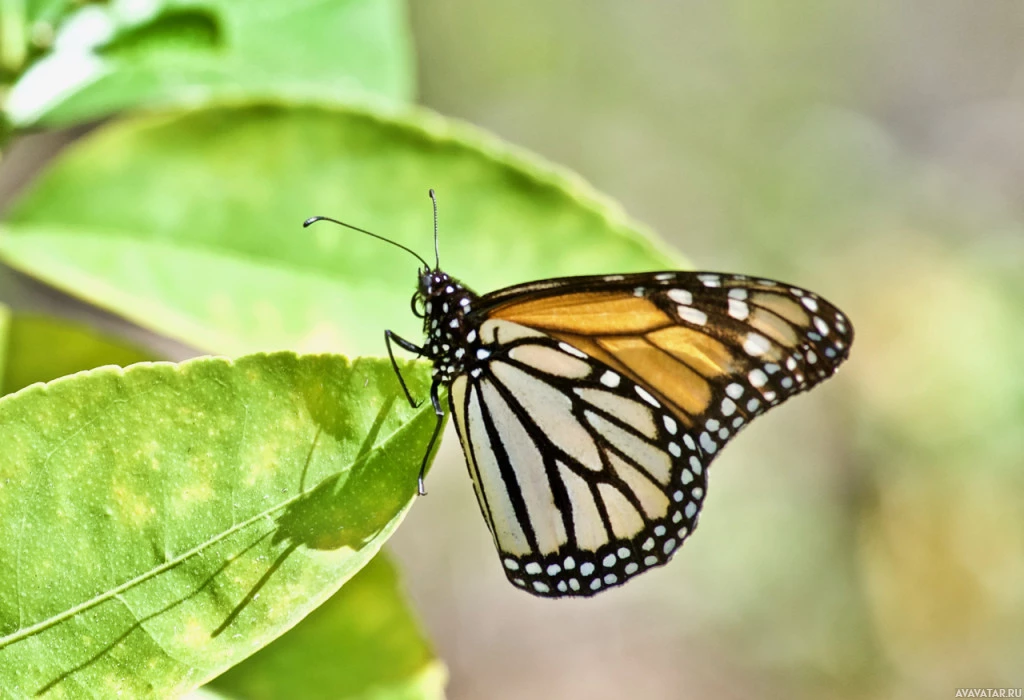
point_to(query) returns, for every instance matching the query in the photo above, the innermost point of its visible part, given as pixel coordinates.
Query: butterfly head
(444, 304)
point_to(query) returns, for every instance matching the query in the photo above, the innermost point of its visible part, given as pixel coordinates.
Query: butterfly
(590, 408)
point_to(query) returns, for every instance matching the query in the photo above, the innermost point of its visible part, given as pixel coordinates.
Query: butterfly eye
(418, 308)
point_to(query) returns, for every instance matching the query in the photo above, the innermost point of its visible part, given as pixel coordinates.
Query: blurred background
(863, 541)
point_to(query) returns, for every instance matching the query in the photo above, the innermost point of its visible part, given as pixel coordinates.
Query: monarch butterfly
(589, 408)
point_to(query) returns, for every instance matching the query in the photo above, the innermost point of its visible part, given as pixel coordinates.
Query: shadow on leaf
(346, 509)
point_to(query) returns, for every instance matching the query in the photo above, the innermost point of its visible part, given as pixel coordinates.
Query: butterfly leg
(435, 400)
(405, 345)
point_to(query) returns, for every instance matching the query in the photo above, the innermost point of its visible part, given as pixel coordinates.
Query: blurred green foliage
(107, 222)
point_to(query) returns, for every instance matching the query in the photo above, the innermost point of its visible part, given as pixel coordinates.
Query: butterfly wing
(589, 428)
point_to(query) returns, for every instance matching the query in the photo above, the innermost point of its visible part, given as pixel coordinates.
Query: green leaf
(363, 642)
(41, 348)
(159, 524)
(5, 334)
(109, 57)
(190, 224)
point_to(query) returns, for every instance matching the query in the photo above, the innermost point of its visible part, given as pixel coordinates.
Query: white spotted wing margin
(584, 479)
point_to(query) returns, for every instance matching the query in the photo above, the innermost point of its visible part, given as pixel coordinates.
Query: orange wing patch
(688, 342)
(588, 313)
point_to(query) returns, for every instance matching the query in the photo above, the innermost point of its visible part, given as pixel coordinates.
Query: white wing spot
(688, 441)
(661, 277)
(787, 382)
(572, 351)
(821, 325)
(752, 405)
(738, 309)
(734, 390)
(471, 336)
(674, 449)
(697, 492)
(670, 424)
(681, 296)
(695, 465)
(709, 445)
(586, 568)
(737, 293)
(692, 315)
(810, 303)
(483, 354)
(540, 587)
(610, 379)
(669, 545)
(533, 568)
(728, 407)
(659, 530)
(757, 378)
(608, 561)
(711, 425)
(710, 280)
(690, 509)
(651, 560)
(554, 570)
(686, 477)
(648, 544)
(610, 579)
(569, 563)
(511, 565)
(643, 393)
(756, 344)
(631, 568)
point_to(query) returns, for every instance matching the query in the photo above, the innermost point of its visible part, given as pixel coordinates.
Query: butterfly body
(448, 324)
(589, 408)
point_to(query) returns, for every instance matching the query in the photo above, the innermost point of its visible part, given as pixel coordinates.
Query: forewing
(716, 349)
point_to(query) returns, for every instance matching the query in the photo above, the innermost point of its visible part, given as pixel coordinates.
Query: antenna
(437, 255)
(313, 219)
